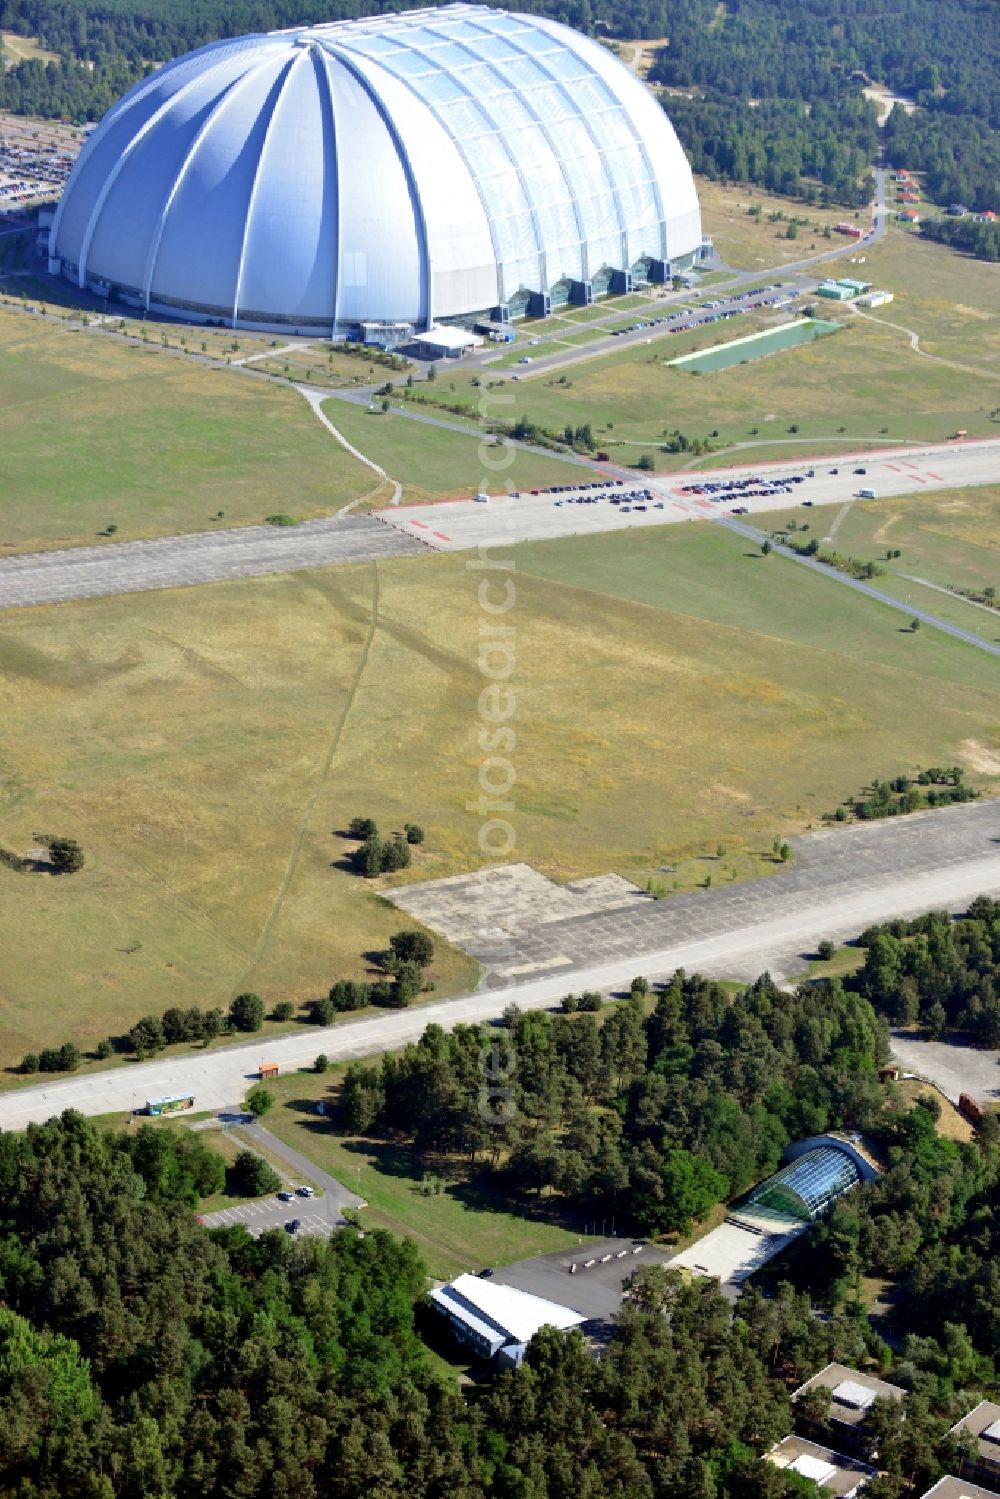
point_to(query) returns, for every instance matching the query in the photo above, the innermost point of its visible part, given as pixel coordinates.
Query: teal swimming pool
(755, 346)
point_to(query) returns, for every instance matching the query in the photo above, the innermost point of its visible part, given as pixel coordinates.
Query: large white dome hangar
(403, 169)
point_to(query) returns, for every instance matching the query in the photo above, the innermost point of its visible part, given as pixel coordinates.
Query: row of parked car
(631, 499)
(722, 307)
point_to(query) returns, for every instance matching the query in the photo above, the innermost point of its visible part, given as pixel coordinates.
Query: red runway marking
(894, 467)
(918, 478)
(908, 465)
(704, 504)
(421, 523)
(936, 476)
(440, 536)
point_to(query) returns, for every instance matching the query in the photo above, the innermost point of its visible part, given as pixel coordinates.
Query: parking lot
(316, 1215)
(611, 502)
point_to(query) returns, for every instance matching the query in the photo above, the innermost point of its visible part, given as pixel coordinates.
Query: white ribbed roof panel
(402, 168)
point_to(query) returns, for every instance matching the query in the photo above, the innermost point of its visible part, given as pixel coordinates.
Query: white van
(866, 494)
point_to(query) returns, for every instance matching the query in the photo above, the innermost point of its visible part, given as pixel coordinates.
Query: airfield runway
(841, 881)
(207, 557)
(459, 525)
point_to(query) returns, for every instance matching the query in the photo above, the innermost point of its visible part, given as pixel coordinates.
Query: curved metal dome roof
(408, 167)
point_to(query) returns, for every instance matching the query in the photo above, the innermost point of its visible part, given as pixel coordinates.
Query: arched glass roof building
(807, 1186)
(404, 168)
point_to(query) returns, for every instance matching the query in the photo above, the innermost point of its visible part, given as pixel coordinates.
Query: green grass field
(865, 386)
(464, 1227)
(948, 540)
(205, 745)
(96, 431)
(432, 463)
(751, 243)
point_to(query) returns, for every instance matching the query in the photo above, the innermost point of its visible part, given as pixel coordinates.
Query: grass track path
(303, 823)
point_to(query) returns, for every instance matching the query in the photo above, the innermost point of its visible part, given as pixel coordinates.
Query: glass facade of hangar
(806, 1187)
(565, 174)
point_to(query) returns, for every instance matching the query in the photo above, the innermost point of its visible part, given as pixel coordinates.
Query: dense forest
(941, 973)
(821, 153)
(648, 1119)
(775, 85)
(764, 58)
(975, 236)
(142, 1355)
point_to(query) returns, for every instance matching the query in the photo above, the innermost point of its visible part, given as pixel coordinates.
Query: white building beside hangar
(495, 1319)
(398, 169)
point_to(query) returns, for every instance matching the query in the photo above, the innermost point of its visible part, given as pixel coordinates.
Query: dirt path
(303, 823)
(914, 339)
(315, 399)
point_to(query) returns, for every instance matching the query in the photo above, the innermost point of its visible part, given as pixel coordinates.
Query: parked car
(306, 1191)
(285, 1196)
(292, 1226)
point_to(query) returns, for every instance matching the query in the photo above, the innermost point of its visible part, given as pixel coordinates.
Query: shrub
(103, 1050)
(367, 860)
(69, 1057)
(281, 520)
(322, 1011)
(147, 1036)
(66, 855)
(362, 827)
(414, 832)
(825, 950)
(412, 947)
(48, 1059)
(283, 1011)
(396, 855)
(590, 1000)
(350, 994)
(568, 1004)
(252, 1176)
(322, 1063)
(30, 1062)
(246, 1013)
(259, 1101)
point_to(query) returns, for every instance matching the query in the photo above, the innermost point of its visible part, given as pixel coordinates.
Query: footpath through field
(841, 881)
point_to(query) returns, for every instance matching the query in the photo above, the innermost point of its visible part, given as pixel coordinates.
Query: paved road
(316, 1215)
(207, 557)
(875, 871)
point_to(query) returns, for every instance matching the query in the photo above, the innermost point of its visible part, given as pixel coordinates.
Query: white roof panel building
(490, 1315)
(398, 168)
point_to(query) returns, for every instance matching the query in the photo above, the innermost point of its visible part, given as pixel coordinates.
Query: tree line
(649, 1119)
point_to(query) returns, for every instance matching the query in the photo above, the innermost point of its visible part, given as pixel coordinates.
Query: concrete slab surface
(459, 525)
(207, 557)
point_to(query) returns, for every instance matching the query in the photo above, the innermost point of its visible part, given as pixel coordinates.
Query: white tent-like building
(399, 169)
(490, 1317)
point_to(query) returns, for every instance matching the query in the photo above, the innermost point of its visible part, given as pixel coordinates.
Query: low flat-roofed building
(956, 1488)
(852, 1395)
(444, 342)
(982, 1424)
(489, 1316)
(832, 1472)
